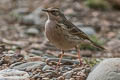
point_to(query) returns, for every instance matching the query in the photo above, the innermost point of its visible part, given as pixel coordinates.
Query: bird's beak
(45, 10)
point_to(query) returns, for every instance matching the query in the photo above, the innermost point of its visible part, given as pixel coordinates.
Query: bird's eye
(55, 13)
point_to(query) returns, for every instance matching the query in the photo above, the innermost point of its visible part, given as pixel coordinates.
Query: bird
(63, 34)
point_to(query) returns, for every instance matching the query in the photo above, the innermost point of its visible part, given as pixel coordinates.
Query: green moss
(92, 61)
(97, 4)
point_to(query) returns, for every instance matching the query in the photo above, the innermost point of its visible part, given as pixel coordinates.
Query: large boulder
(109, 69)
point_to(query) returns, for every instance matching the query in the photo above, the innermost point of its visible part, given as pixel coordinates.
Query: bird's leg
(60, 59)
(79, 57)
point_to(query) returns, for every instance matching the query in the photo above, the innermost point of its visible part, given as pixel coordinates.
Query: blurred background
(22, 24)
(22, 29)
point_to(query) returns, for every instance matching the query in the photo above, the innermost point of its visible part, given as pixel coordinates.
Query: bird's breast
(57, 37)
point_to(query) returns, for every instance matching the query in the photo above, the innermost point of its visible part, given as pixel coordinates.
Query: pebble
(50, 74)
(61, 78)
(46, 67)
(32, 31)
(37, 52)
(35, 58)
(67, 68)
(28, 20)
(11, 58)
(11, 52)
(33, 18)
(12, 74)
(108, 69)
(68, 74)
(37, 76)
(72, 79)
(14, 64)
(30, 65)
(63, 60)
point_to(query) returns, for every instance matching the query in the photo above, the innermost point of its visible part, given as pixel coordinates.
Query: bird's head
(54, 14)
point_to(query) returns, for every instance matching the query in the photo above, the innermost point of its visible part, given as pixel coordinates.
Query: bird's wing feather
(67, 34)
(75, 31)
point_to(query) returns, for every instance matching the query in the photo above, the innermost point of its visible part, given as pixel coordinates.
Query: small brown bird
(64, 34)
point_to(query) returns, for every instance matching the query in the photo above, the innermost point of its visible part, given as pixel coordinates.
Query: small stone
(46, 67)
(68, 74)
(109, 69)
(12, 74)
(72, 79)
(14, 64)
(54, 79)
(66, 68)
(61, 78)
(46, 79)
(9, 58)
(37, 52)
(32, 31)
(11, 52)
(51, 73)
(35, 58)
(64, 61)
(30, 65)
(37, 76)
(34, 18)
(27, 20)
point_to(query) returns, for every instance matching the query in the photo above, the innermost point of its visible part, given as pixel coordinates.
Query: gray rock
(33, 18)
(11, 52)
(12, 58)
(32, 31)
(50, 74)
(109, 69)
(63, 60)
(72, 79)
(67, 68)
(27, 20)
(46, 67)
(15, 64)
(68, 74)
(29, 65)
(36, 76)
(12, 74)
(37, 52)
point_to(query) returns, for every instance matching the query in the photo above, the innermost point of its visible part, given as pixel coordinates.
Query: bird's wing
(75, 31)
(65, 31)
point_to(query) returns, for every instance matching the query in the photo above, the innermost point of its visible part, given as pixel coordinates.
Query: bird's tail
(98, 46)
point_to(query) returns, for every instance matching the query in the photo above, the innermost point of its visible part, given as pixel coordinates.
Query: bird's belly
(59, 40)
